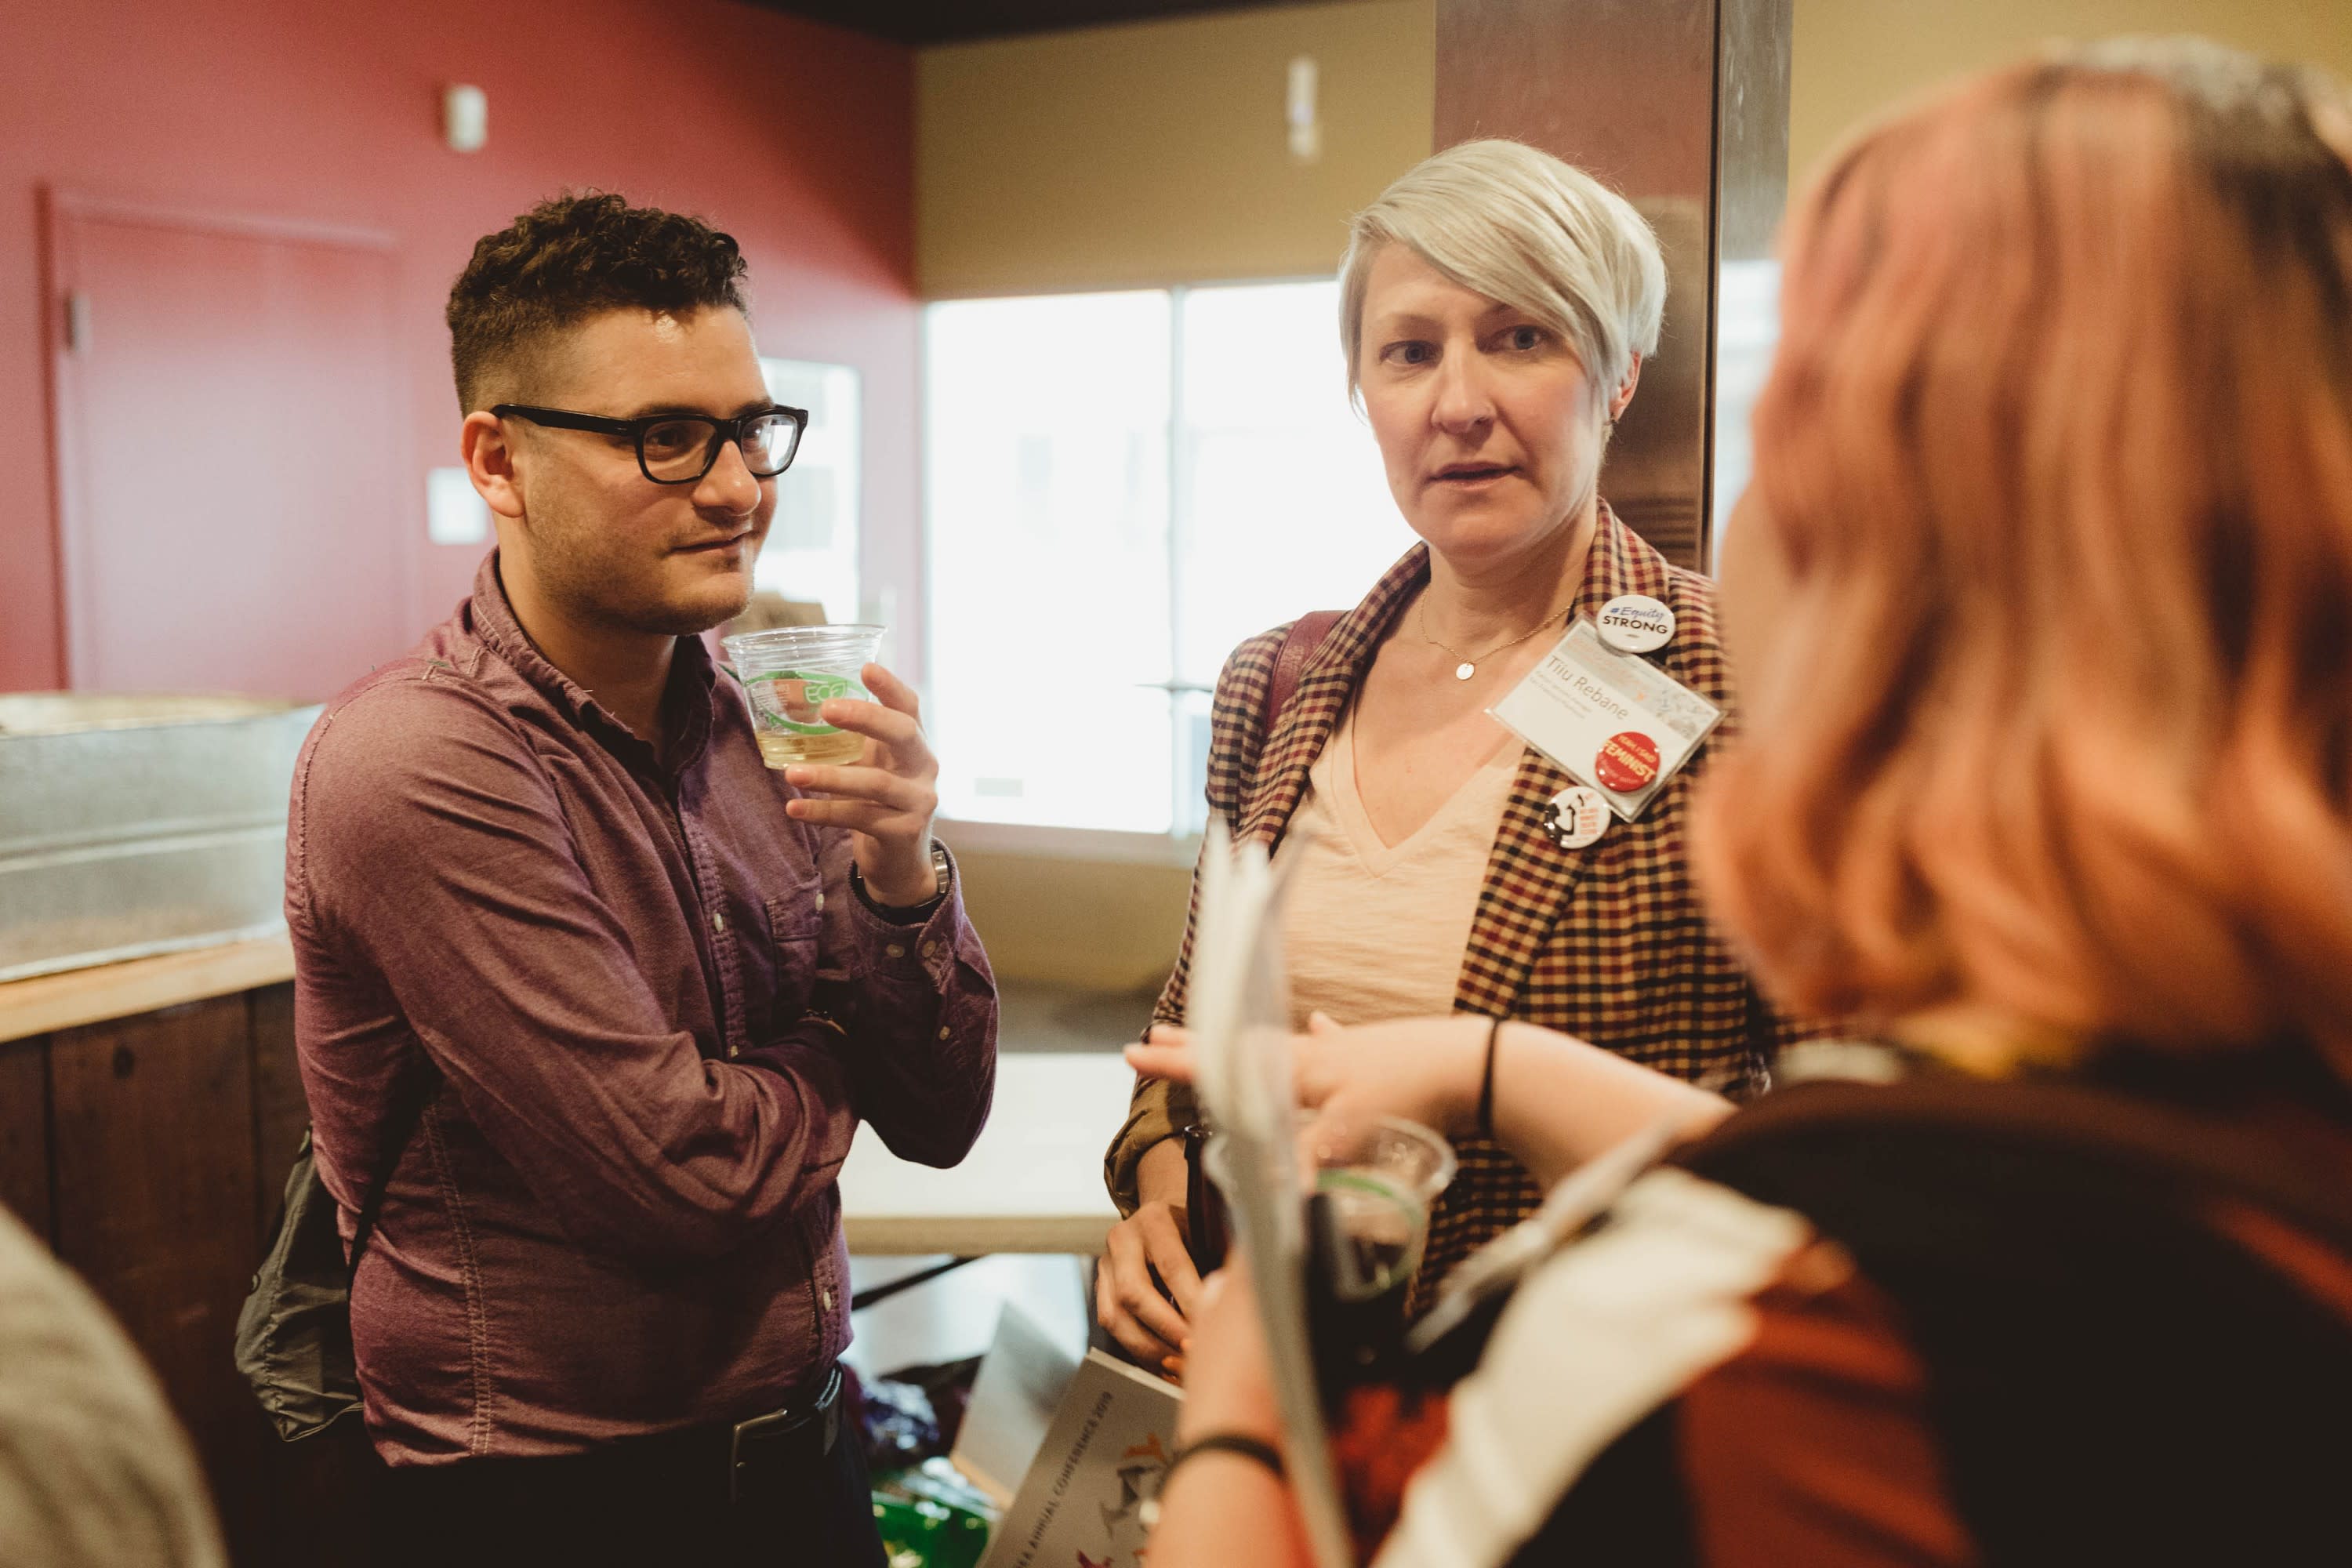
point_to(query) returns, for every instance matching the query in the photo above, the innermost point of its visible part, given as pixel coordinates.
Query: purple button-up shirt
(643, 1012)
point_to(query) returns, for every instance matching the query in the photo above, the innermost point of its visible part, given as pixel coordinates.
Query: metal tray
(132, 826)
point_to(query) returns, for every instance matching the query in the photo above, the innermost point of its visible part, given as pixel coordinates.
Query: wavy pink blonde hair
(2057, 450)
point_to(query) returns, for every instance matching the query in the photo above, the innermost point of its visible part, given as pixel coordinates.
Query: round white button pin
(1577, 816)
(1635, 622)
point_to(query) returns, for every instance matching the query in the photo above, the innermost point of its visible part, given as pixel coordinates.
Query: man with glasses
(589, 1001)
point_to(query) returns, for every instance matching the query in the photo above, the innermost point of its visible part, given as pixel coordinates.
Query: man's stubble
(580, 569)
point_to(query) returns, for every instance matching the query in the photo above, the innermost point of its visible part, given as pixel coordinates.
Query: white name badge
(1614, 720)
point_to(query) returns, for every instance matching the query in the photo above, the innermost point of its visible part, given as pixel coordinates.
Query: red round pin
(1627, 762)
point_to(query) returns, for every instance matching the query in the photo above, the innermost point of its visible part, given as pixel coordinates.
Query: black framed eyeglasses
(680, 448)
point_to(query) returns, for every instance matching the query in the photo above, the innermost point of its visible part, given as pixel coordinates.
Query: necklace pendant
(1465, 670)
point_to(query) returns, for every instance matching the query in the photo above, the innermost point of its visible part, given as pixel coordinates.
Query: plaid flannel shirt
(1609, 942)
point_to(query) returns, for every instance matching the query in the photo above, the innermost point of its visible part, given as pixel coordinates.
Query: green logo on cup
(788, 700)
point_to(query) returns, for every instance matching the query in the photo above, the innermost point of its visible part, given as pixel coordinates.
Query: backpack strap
(1300, 646)
(411, 1118)
(2184, 1151)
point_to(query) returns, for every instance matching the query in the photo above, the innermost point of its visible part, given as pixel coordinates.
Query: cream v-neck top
(1377, 931)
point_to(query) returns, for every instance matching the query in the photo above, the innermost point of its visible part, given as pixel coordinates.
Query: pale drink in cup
(790, 673)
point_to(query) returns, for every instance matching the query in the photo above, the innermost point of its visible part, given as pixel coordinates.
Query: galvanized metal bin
(133, 824)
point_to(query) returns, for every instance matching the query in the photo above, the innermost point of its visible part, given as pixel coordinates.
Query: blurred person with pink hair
(2040, 598)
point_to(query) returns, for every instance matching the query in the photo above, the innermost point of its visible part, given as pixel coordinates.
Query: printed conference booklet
(1084, 1502)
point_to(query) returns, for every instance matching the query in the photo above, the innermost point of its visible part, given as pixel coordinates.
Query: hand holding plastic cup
(1377, 1179)
(789, 673)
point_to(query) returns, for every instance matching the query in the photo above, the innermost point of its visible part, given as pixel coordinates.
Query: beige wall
(1853, 58)
(1075, 922)
(1156, 153)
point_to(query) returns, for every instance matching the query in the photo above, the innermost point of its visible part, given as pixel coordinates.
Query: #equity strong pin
(1635, 622)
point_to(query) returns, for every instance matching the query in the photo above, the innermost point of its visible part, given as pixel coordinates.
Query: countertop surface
(1033, 1183)
(108, 991)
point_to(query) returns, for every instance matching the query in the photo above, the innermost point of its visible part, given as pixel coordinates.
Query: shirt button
(945, 1031)
(896, 950)
(820, 900)
(930, 950)
(827, 1298)
(718, 919)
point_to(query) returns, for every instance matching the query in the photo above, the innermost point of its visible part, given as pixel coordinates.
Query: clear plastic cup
(788, 673)
(1378, 1179)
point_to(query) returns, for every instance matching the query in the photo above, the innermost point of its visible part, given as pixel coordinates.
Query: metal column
(1683, 105)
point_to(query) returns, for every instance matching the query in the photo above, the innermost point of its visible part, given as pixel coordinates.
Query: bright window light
(1121, 487)
(1284, 508)
(1045, 440)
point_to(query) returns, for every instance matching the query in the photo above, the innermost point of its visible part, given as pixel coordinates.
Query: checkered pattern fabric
(1607, 942)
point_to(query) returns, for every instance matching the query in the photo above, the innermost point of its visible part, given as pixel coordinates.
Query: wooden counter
(78, 996)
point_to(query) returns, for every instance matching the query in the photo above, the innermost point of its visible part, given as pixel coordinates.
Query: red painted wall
(796, 138)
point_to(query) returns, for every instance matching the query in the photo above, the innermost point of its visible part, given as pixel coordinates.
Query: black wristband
(1227, 1443)
(1486, 1083)
(908, 914)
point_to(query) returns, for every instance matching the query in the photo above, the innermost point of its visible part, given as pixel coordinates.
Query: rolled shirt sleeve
(917, 1006)
(1160, 1110)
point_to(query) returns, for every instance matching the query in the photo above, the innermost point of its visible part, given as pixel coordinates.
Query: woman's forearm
(1221, 1510)
(1560, 1101)
(1557, 1101)
(1161, 1176)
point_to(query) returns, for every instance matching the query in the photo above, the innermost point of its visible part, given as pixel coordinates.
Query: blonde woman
(1496, 308)
(2043, 596)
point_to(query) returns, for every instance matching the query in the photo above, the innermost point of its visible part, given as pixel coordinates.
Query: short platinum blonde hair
(1519, 226)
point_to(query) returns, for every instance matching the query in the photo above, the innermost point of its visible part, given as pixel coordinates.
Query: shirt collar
(1619, 562)
(693, 677)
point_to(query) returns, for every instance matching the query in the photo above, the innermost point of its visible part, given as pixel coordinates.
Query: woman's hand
(1128, 1301)
(1145, 1259)
(1423, 1070)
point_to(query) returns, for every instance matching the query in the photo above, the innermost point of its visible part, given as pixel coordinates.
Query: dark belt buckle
(777, 1423)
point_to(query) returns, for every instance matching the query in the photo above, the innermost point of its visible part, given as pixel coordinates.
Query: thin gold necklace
(1469, 665)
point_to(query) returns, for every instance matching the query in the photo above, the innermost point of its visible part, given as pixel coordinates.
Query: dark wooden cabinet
(152, 1152)
(25, 1133)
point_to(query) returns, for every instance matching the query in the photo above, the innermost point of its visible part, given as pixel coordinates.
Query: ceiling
(956, 21)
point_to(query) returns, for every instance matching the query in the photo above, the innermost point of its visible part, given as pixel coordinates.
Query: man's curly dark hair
(569, 259)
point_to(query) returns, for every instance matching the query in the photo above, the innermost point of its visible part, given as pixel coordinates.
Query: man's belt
(802, 1431)
(735, 1460)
